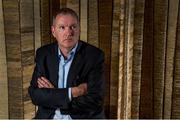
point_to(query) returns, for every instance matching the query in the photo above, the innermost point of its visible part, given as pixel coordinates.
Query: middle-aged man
(68, 79)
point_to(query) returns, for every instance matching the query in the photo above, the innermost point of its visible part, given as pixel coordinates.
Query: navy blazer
(87, 67)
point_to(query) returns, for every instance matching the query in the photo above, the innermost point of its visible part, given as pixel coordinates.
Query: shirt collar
(71, 53)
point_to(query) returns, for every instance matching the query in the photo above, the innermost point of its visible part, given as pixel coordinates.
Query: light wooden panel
(160, 28)
(62, 3)
(37, 24)
(83, 19)
(73, 4)
(93, 32)
(3, 70)
(170, 49)
(129, 39)
(114, 60)
(13, 47)
(137, 56)
(121, 61)
(27, 52)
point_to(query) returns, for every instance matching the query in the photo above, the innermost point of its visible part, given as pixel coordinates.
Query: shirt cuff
(69, 94)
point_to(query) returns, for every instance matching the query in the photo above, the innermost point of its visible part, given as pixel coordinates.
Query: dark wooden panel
(105, 20)
(160, 27)
(146, 95)
(45, 22)
(137, 56)
(114, 79)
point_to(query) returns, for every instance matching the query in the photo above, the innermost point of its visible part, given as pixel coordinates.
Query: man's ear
(52, 30)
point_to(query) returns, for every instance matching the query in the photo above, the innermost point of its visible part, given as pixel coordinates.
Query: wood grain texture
(83, 19)
(160, 28)
(37, 24)
(73, 4)
(146, 93)
(114, 61)
(93, 31)
(120, 111)
(176, 83)
(3, 70)
(129, 54)
(170, 52)
(14, 70)
(137, 56)
(27, 52)
(45, 22)
(105, 20)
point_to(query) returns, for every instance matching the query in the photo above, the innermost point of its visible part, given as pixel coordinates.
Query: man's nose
(69, 31)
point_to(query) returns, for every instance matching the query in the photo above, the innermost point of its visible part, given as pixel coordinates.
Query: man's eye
(73, 27)
(61, 27)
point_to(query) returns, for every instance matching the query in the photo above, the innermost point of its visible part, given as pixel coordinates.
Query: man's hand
(44, 83)
(79, 90)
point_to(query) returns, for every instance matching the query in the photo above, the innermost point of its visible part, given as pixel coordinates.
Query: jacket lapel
(54, 64)
(76, 65)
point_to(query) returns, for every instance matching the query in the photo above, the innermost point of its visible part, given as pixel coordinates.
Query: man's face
(66, 31)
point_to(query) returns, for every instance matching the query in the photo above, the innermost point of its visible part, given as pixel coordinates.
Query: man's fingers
(43, 82)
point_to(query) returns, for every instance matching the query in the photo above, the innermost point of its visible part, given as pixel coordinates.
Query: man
(68, 80)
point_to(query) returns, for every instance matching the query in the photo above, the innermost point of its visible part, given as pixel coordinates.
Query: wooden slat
(105, 20)
(146, 95)
(176, 83)
(160, 25)
(37, 24)
(114, 61)
(3, 70)
(170, 49)
(62, 3)
(93, 32)
(137, 56)
(45, 22)
(83, 19)
(73, 4)
(129, 54)
(12, 34)
(27, 51)
(121, 61)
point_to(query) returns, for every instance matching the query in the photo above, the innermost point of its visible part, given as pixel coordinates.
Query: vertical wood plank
(62, 3)
(176, 83)
(114, 60)
(27, 51)
(3, 70)
(137, 56)
(83, 19)
(93, 33)
(160, 27)
(170, 52)
(14, 69)
(73, 4)
(37, 24)
(146, 94)
(129, 54)
(105, 20)
(121, 60)
(45, 22)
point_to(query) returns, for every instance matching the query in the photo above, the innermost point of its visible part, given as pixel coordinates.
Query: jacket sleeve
(46, 97)
(93, 100)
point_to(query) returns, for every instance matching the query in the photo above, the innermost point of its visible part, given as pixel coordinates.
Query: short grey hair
(66, 11)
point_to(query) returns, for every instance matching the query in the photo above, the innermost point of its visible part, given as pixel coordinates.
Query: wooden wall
(140, 38)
